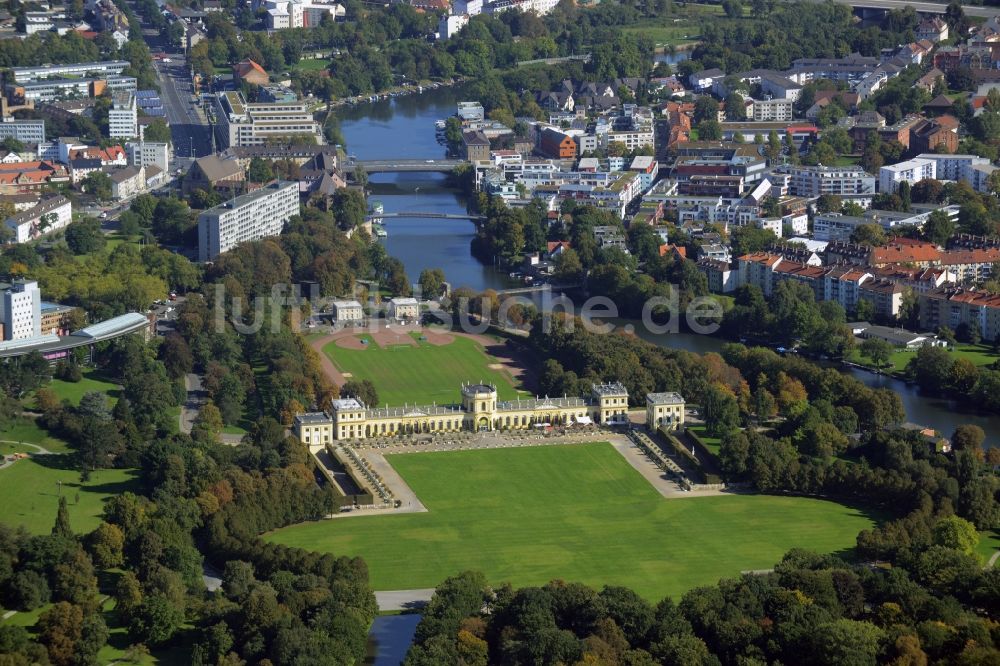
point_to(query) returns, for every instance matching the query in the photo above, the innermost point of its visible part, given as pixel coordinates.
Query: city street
(188, 124)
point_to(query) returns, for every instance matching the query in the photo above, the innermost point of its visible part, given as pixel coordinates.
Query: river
(404, 127)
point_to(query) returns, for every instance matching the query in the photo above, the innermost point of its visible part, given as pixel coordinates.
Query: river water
(404, 127)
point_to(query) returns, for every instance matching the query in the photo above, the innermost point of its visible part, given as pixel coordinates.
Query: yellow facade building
(479, 410)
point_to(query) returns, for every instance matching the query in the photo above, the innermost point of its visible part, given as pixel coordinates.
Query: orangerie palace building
(480, 410)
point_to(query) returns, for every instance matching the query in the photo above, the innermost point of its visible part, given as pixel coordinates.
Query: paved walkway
(192, 405)
(993, 560)
(397, 600)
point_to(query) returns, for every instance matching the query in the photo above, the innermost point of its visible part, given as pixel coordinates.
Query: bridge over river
(430, 215)
(405, 166)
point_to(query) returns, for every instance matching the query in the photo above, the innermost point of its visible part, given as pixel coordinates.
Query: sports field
(29, 493)
(577, 512)
(421, 373)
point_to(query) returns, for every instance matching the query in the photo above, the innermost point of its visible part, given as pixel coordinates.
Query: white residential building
(127, 182)
(910, 171)
(973, 169)
(149, 154)
(283, 14)
(449, 25)
(248, 217)
(21, 311)
(48, 215)
(123, 116)
(773, 110)
(815, 181)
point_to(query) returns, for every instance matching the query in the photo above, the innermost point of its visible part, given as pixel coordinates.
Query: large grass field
(92, 381)
(29, 493)
(423, 373)
(576, 512)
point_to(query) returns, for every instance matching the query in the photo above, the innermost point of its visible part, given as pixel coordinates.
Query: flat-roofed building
(25, 131)
(80, 69)
(910, 171)
(123, 117)
(248, 217)
(240, 123)
(20, 310)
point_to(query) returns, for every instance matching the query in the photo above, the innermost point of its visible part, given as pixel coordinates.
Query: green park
(577, 512)
(420, 372)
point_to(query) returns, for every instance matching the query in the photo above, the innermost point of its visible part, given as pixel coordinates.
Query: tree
(260, 171)
(846, 641)
(98, 184)
(363, 390)
(706, 108)
(709, 130)
(106, 544)
(877, 350)
(956, 533)
(157, 132)
(736, 109)
(721, 412)
(968, 437)
(870, 234)
(85, 236)
(568, 267)
(829, 203)
(71, 637)
(62, 527)
(432, 282)
(156, 620)
(939, 227)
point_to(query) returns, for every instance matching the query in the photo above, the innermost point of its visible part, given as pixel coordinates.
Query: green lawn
(978, 354)
(29, 493)
(421, 373)
(312, 65)
(29, 431)
(711, 443)
(989, 543)
(578, 513)
(92, 381)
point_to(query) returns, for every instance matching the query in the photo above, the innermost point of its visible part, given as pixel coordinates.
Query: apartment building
(773, 110)
(248, 217)
(123, 118)
(954, 306)
(21, 311)
(25, 131)
(47, 216)
(973, 169)
(885, 296)
(910, 171)
(815, 181)
(239, 123)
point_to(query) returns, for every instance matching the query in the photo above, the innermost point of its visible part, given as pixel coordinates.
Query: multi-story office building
(239, 123)
(910, 171)
(47, 90)
(21, 311)
(815, 181)
(123, 119)
(25, 131)
(248, 217)
(79, 70)
(145, 153)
